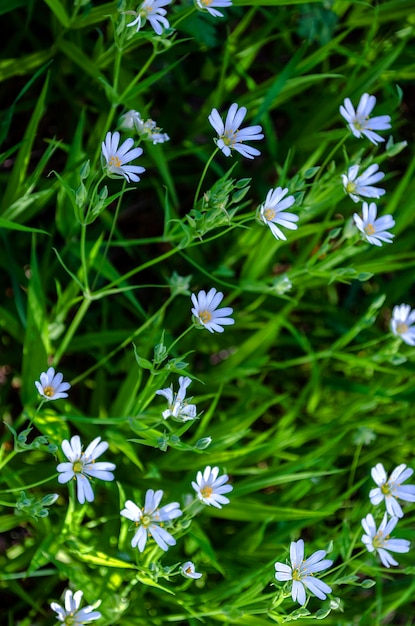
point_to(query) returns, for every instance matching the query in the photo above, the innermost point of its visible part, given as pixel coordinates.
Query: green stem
(140, 268)
(137, 77)
(329, 157)
(71, 330)
(179, 338)
(209, 161)
(107, 245)
(83, 256)
(40, 482)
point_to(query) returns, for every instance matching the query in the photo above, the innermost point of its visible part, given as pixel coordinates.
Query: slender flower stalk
(390, 489)
(149, 520)
(82, 466)
(231, 136)
(71, 614)
(374, 231)
(115, 158)
(301, 572)
(380, 541)
(403, 323)
(359, 121)
(357, 186)
(205, 310)
(272, 212)
(210, 487)
(51, 385)
(178, 408)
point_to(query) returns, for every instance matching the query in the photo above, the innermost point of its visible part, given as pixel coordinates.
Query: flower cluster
(389, 490)
(146, 129)
(178, 408)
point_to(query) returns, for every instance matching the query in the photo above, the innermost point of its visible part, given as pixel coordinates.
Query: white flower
(301, 572)
(178, 409)
(230, 135)
(357, 186)
(359, 121)
(71, 614)
(207, 5)
(379, 540)
(374, 230)
(152, 11)
(210, 488)
(148, 130)
(390, 489)
(51, 386)
(82, 466)
(150, 518)
(402, 323)
(116, 157)
(188, 570)
(206, 312)
(272, 212)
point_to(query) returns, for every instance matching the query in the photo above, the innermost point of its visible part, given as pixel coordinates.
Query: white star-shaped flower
(149, 520)
(152, 11)
(178, 409)
(231, 136)
(359, 121)
(206, 312)
(362, 185)
(301, 572)
(374, 230)
(403, 323)
(116, 158)
(72, 614)
(208, 5)
(82, 466)
(272, 212)
(146, 129)
(188, 570)
(51, 386)
(389, 489)
(210, 487)
(380, 541)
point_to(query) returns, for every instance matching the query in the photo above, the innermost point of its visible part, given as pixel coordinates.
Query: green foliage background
(301, 397)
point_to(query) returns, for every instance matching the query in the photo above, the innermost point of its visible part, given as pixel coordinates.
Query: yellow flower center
(205, 316)
(229, 139)
(206, 3)
(296, 574)
(385, 489)
(49, 391)
(370, 229)
(351, 187)
(77, 467)
(379, 540)
(269, 214)
(402, 328)
(115, 161)
(206, 492)
(69, 620)
(146, 521)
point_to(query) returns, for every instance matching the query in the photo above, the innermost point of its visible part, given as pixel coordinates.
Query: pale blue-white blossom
(51, 385)
(273, 212)
(301, 572)
(231, 136)
(115, 158)
(188, 570)
(178, 407)
(82, 466)
(151, 10)
(358, 186)
(374, 230)
(210, 487)
(150, 519)
(71, 613)
(403, 323)
(379, 539)
(146, 129)
(211, 6)
(360, 122)
(205, 310)
(391, 489)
